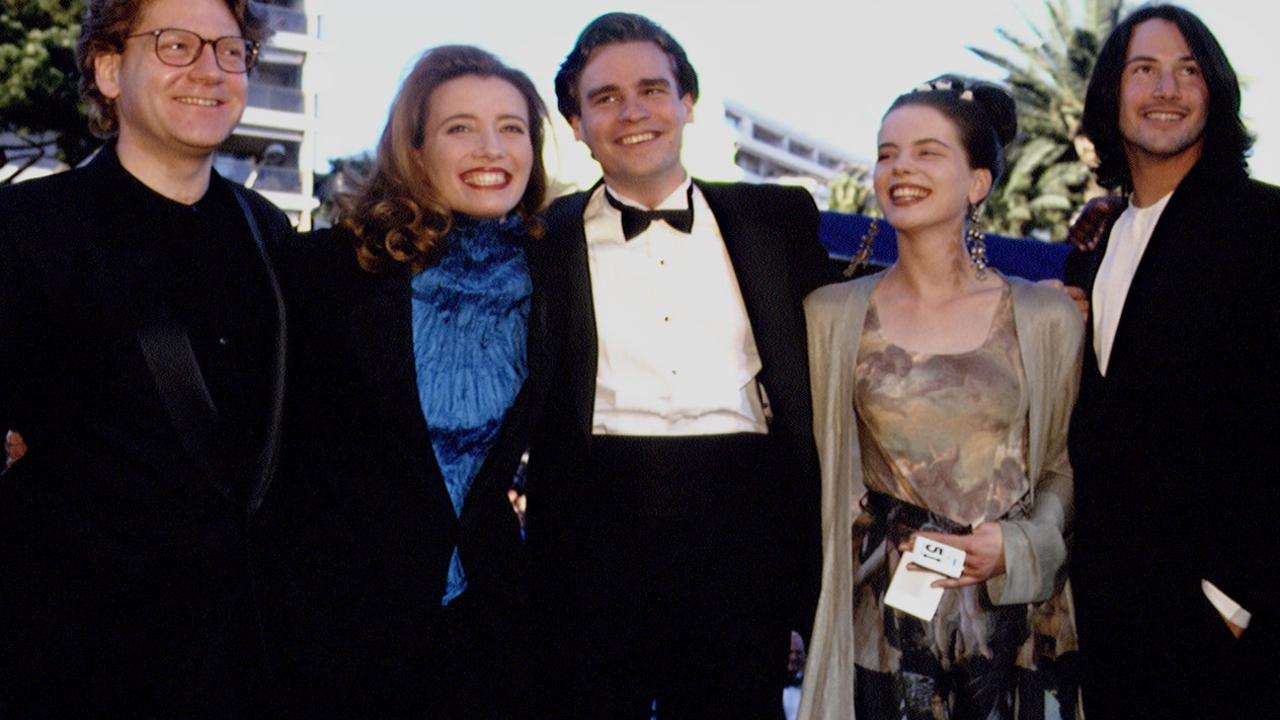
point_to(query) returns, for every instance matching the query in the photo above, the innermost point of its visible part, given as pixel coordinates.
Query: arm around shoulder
(811, 264)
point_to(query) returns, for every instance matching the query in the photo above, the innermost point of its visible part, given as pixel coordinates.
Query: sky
(826, 69)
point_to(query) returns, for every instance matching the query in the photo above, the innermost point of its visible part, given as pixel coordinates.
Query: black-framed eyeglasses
(179, 48)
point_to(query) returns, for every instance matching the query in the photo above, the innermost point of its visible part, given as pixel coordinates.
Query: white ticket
(938, 556)
(910, 589)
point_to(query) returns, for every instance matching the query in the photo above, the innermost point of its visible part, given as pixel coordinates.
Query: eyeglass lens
(182, 47)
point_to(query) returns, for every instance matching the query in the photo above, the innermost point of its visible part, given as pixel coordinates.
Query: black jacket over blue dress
(365, 524)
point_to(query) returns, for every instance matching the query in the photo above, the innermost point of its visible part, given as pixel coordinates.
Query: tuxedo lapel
(756, 265)
(380, 333)
(171, 360)
(265, 467)
(1155, 285)
(1091, 263)
(134, 274)
(565, 228)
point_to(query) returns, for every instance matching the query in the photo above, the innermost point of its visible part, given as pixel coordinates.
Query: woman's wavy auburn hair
(396, 215)
(106, 25)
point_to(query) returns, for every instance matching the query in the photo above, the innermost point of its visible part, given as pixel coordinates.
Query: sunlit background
(791, 91)
(824, 69)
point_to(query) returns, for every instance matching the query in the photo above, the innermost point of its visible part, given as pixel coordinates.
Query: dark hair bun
(996, 103)
(1000, 109)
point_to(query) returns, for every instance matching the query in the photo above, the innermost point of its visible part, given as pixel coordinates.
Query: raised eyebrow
(594, 93)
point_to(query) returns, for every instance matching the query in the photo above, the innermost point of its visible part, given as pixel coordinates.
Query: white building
(273, 149)
(27, 158)
(771, 151)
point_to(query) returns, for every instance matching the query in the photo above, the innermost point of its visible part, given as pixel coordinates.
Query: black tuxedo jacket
(363, 523)
(124, 541)
(1173, 450)
(771, 235)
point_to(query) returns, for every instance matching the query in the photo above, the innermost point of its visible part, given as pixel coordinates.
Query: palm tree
(851, 192)
(1048, 176)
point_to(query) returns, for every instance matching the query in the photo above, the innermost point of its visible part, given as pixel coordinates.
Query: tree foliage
(39, 100)
(851, 192)
(1048, 174)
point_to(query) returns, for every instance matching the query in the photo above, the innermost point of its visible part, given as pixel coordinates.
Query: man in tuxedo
(1171, 435)
(141, 358)
(795, 677)
(673, 489)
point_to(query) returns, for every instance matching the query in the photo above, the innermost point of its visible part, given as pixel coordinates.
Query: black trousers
(679, 598)
(479, 649)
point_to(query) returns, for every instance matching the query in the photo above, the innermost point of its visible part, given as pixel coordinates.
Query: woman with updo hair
(942, 392)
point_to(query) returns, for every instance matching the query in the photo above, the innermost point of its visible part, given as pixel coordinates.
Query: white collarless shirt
(1129, 239)
(676, 355)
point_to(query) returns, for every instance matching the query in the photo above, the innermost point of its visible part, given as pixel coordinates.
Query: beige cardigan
(1050, 337)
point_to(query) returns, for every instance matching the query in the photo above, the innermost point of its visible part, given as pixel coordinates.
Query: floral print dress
(947, 433)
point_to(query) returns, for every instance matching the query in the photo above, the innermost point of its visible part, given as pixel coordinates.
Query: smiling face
(1163, 96)
(169, 113)
(476, 150)
(922, 175)
(632, 117)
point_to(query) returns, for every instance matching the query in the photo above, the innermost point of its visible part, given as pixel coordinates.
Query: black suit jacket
(123, 533)
(363, 523)
(771, 235)
(1172, 450)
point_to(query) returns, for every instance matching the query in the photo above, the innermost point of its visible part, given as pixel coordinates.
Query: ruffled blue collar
(478, 239)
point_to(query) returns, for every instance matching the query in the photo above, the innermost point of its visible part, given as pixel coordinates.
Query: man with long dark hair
(141, 358)
(1174, 509)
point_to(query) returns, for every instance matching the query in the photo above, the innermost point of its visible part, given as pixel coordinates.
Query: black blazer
(1173, 449)
(123, 535)
(364, 525)
(771, 235)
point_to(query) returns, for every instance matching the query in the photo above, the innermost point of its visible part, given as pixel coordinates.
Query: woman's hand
(983, 554)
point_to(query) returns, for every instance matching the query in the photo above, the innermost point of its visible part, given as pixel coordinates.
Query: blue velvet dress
(470, 326)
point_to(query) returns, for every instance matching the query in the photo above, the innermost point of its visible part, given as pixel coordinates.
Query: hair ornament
(944, 85)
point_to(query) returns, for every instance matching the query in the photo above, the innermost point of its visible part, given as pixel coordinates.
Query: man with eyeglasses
(141, 358)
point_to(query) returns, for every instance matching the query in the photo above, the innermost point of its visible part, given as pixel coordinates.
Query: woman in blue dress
(414, 327)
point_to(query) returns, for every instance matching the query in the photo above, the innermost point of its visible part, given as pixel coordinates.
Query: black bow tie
(636, 221)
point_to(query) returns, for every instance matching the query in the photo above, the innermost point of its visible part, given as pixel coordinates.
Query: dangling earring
(863, 255)
(976, 245)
